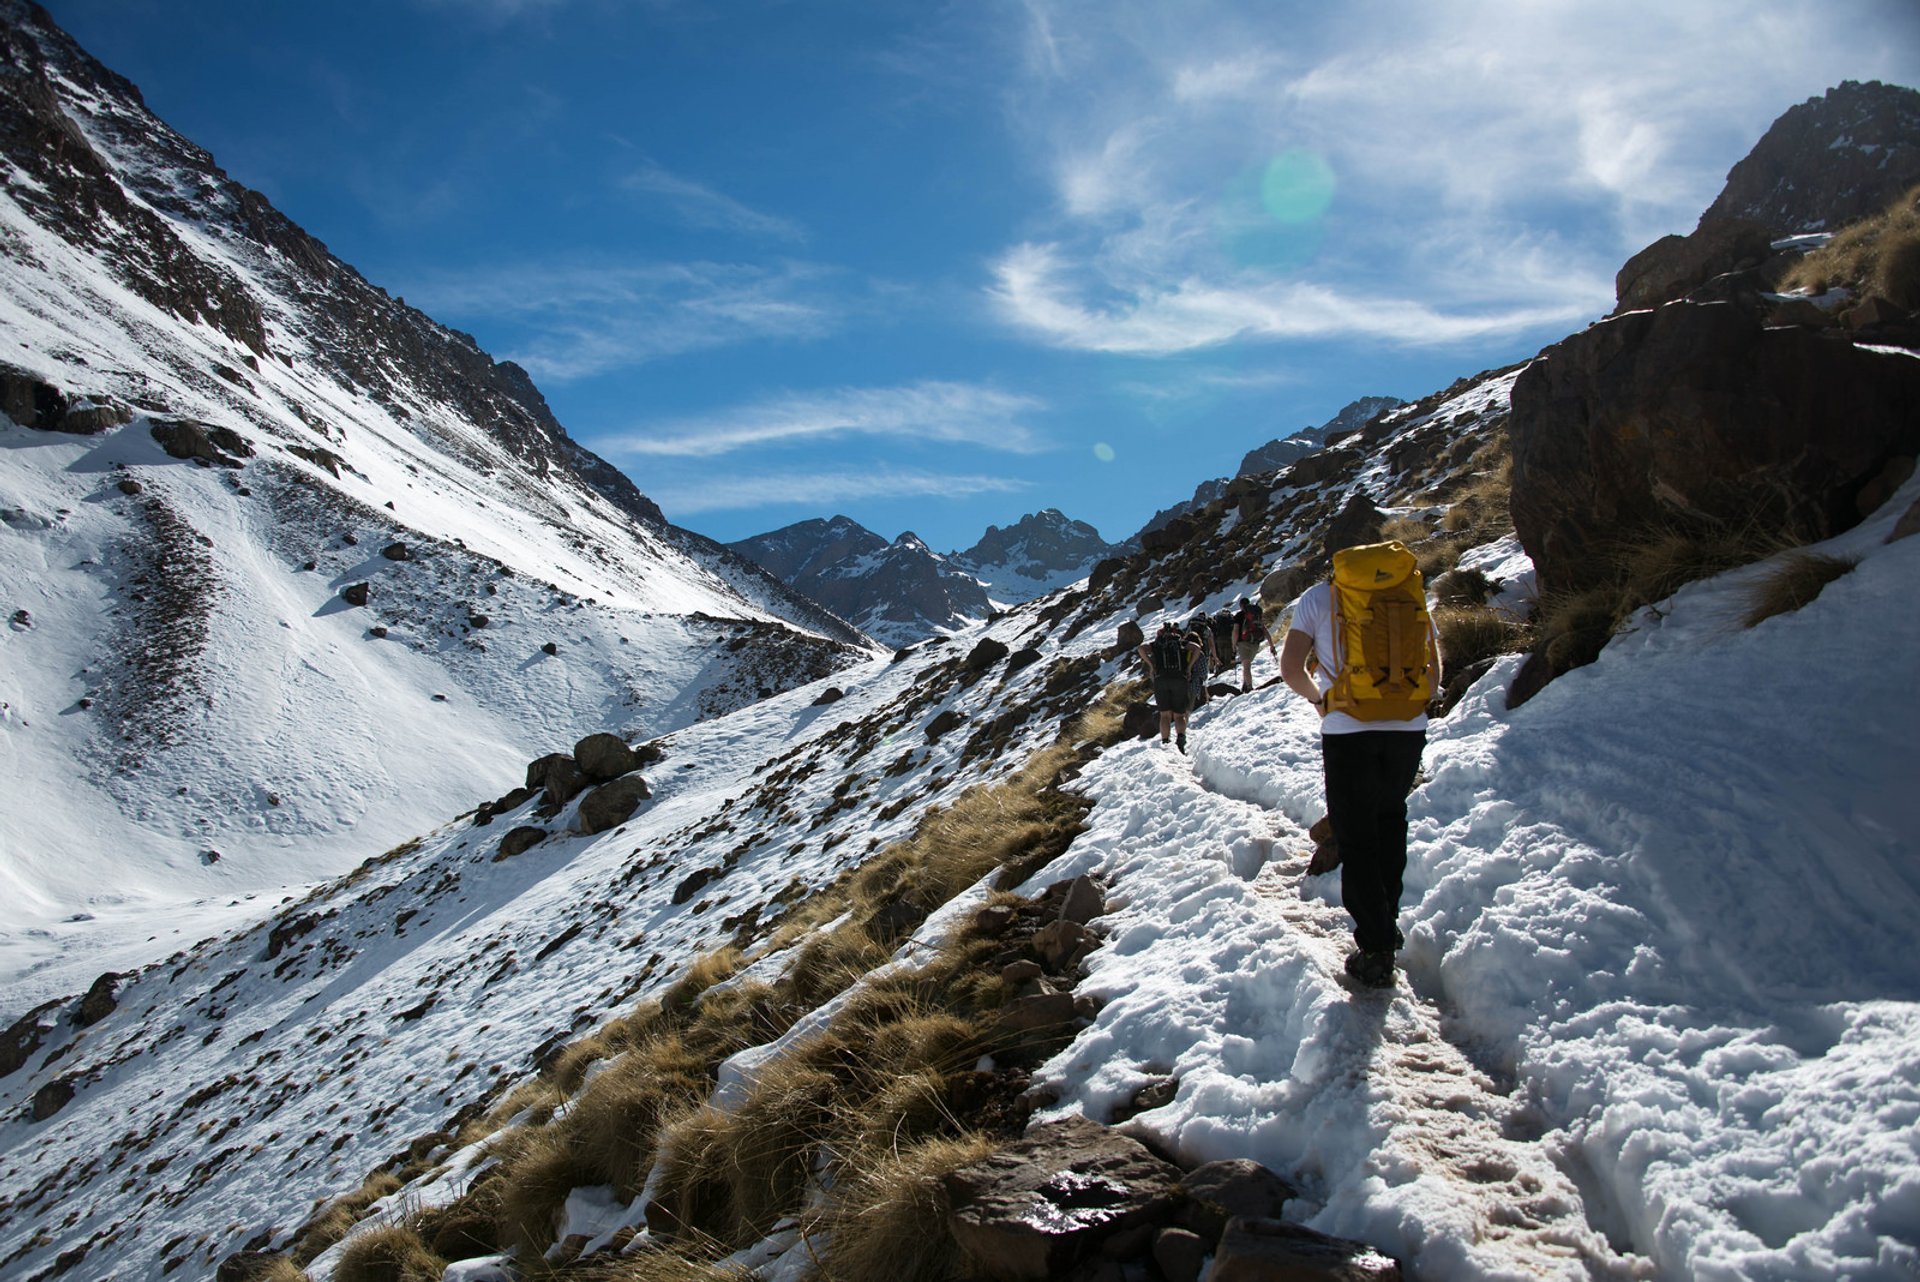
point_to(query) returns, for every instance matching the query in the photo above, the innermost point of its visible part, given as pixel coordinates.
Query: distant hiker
(1200, 634)
(1362, 649)
(1168, 657)
(1223, 637)
(1249, 630)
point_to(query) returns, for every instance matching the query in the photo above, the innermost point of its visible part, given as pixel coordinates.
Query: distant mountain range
(902, 592)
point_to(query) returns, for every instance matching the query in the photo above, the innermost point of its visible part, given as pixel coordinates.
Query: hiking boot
(1182, 741)
(1372, 967)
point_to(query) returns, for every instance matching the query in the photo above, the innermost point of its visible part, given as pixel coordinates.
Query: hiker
(1200, 634)
(1370, 682)
(1168, 657)
(1223, 637)
(1249, 630)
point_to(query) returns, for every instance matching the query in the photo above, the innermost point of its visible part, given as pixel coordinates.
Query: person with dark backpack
(1200, 634)
(1363, 650)
(1249, 630)
(1168, 657)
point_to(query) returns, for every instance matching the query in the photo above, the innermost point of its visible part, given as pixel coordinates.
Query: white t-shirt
(1313, 615)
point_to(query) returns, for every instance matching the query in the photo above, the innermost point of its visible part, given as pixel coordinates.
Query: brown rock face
(604, 756)
(1827, 162)
(612, 804)
(1672, 265)
(1694, 414)
(1037, 1207)
(1262, 1250)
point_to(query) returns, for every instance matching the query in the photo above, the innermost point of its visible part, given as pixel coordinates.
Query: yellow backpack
(1382, 634)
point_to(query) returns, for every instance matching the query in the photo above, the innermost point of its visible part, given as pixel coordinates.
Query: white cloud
(1193, 313)
(1495, 163)
(930, 412)
(702, 206)
(824, 489)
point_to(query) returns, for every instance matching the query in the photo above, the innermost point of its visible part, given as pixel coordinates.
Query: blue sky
(936, 266)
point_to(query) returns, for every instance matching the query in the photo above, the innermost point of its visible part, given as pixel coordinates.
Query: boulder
(1140, 721)
(196, 442)
(1697, 415)
(1044, 1203)
(984, 655)
(612, 804)
(1234, 1188)
(26, 1035)
(1128, 637)
(604, 756)
(356, 593)
(100, 999)
(1104, 571)
(942, 723)
(397, 552)
(1285, 584)
(1268, 1250)
(557, 775)
(30, 402)
(519, 841)
(51, 1098)
(832, 694)
(1672, 265)
(1082, 901)
(1180, 1253)
(1360, 521)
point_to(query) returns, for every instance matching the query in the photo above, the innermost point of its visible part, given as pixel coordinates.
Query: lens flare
(1103, 452)
(1297, 186)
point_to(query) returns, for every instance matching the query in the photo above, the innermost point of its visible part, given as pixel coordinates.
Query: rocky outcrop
(1039, 1206)
(1697, 415)
(1827, 162)
(199, 443)
(32, 402)
(1673, 265)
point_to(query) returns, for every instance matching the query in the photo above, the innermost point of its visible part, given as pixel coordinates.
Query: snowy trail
(1223, 969)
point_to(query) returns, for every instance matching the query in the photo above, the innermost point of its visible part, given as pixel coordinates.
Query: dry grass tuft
(1794, 584)
(888, 1220)
(707, 970)
(1879, 254)
(390, 1253)
(341, 1215)
(1469, 634)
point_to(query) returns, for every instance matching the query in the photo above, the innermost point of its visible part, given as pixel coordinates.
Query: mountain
(1827, 162)
(1037, 554)
(903, 592)
(942, 965)
(1277, 454)
(217, 433)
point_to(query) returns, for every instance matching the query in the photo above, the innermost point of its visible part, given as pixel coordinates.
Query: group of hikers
(1362, 649)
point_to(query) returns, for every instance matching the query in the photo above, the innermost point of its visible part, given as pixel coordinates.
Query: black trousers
(1369, 774)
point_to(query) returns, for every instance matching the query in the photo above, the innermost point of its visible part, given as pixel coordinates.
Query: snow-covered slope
(190, 713)
(1658, 1018)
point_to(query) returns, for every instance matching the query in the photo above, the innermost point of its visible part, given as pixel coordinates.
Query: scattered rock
(1083, 901)
(519, 841)
(26, 1035)
(1180, 1253)
(356, 593)
(1044, 1203)
(832, 694)
(129, 486)
(612, 804)
(693, 882)
(1237, 1187)
(558, 775)
(942, 723)
(51, 1098)
(550, 648)
(603, 756)
(478, 620)
(100, 999)
(377, 631)
(397, 552)
(22, 621)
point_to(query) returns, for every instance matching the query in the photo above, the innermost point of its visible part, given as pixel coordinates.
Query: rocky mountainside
(287, 565)
(1827, 162)
(903, 592)
(1276, 454)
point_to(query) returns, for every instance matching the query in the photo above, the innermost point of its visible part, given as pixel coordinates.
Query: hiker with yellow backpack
(1362, 649)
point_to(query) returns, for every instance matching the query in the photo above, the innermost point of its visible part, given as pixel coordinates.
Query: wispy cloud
(1489, 165)
(822, 490)
(699, 205)
(591, 318)
(927, 412)
(1193, 313)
